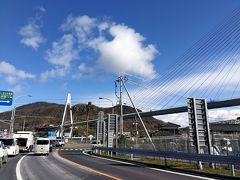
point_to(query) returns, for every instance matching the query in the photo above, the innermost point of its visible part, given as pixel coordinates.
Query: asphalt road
(121, 170)
(74, 165)
(8, 171)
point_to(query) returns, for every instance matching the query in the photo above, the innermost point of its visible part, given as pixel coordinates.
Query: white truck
(25, 140)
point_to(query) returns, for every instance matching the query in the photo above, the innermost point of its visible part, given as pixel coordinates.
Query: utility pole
(12, 119)
(88, 109)
(120, 79)
(11, 129)
(23, 125)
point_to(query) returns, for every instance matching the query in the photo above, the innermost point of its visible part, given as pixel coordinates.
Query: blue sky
(50, 48)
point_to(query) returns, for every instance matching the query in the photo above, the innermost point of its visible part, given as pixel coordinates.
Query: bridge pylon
(67, 104)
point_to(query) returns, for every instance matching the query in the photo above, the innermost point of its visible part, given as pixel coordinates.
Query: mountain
(43, 114)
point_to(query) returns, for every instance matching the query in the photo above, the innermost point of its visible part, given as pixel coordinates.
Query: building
(167, 129)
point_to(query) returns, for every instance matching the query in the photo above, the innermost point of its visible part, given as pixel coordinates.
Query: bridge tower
(68, 104)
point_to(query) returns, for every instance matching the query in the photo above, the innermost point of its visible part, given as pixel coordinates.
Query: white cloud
(83, 71)
(103, 26)
(31, 34)
(180, 118)
(81, 26)
(41, 9)
(57, 72)
(12, 75)
(61, 55)
(126, 53)
(116, 48)
(62, 52)
(121, 49)
(16, 89)
(213, 115)
(223, 114)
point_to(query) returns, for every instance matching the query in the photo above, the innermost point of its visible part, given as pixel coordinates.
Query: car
(54, 143)
(61, 143)
(3, 154)
(11, 145)
(57, 143)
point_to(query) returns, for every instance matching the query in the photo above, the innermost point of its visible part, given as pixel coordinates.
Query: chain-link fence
(222, 144)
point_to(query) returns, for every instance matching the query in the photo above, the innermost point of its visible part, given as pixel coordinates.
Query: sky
(51, 48)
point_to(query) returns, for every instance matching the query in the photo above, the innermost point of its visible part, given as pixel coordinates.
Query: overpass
(211, 105)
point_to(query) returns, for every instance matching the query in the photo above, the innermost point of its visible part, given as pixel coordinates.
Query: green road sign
(6, 98)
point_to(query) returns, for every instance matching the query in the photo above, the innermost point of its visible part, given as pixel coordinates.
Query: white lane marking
(71, 149)
(62, 149)
(172, 172)
(66, 149)
(18, 172)
(76, 149)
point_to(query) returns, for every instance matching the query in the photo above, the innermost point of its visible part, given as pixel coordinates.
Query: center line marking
(85, 167)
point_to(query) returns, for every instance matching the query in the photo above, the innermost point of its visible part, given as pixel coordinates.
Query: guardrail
(233, 160)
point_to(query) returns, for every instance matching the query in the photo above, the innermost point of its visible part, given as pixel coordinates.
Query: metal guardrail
(233, 160)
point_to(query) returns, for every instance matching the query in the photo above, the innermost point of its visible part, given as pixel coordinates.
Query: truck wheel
(6, 160)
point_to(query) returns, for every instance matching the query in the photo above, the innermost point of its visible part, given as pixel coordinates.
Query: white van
(42, 146)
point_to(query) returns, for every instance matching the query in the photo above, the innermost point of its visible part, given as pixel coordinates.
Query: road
(74, 165)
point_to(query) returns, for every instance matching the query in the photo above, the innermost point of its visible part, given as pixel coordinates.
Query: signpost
(6, 98)
(100, 128)
(199, 131)
(112, 129)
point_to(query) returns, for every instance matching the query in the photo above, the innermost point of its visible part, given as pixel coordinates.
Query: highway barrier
(176, 155)
(231, 160)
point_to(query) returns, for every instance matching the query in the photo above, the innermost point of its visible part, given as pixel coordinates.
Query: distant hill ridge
(42, 114)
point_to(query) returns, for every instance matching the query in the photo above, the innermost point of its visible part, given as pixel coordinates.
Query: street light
(110, 101)
(14, 111)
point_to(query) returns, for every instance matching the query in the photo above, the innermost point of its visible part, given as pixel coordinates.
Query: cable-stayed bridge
(210, 69)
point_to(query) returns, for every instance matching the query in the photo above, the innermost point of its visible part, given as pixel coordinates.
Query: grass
(189, 166)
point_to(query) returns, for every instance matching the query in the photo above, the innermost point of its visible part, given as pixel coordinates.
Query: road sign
(6, 98)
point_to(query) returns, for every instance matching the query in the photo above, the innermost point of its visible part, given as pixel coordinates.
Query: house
(167, 129)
